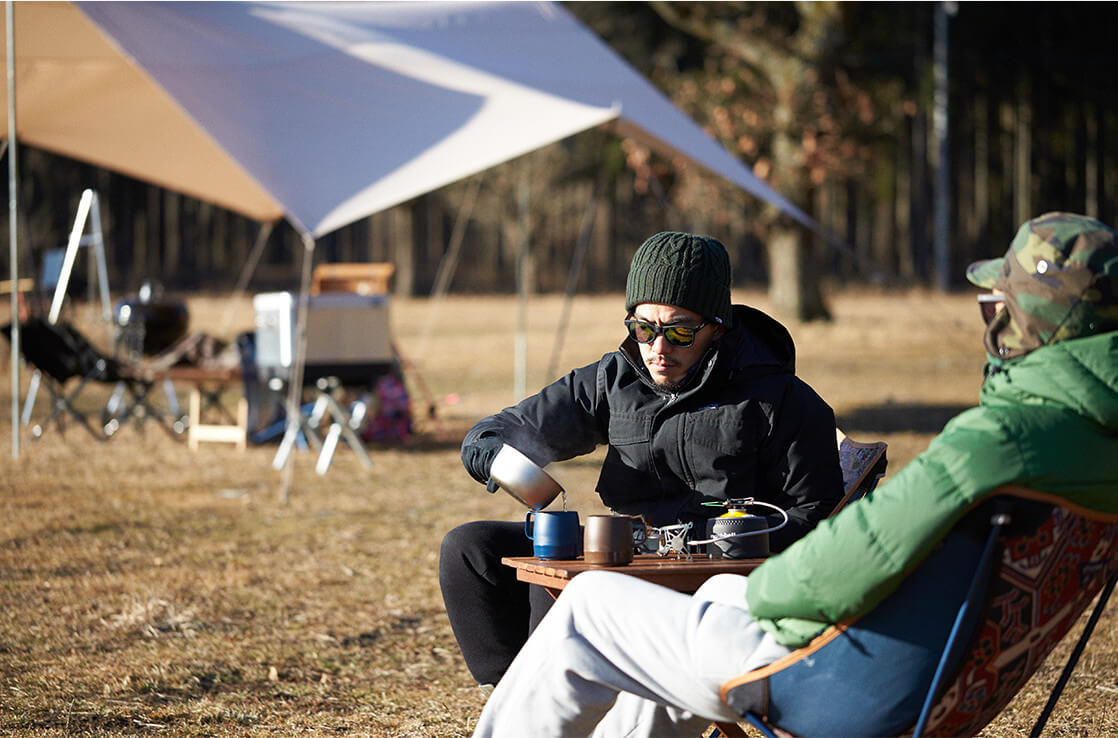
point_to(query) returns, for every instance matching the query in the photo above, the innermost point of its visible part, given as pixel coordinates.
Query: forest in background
(834, 104)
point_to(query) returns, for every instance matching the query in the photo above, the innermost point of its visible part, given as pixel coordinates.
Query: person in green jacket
(1047, 419)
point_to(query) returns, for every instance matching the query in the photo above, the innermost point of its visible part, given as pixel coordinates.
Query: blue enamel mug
(555, 535)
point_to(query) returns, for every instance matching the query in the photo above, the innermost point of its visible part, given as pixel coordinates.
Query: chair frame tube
(998, 521)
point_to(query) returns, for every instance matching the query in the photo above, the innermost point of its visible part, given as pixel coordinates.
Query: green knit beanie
(681, 269)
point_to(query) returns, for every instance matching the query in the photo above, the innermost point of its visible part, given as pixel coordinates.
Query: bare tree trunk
(941, 153)
(903, 204)
(601, 244)
(403, 243)
(794, 276)
(197, 258)
(918, 224)
(172, 236)
(962, 249)
(884, 234)
(379, 230)
(152, 235)
(1023, 149)
(1091, 161)
(981, 170)
(435, 241)
(526, 254)
(139, 246)
(792, 288)
(220, 235)
(863, 208)
(1104, 111)
(345, 245)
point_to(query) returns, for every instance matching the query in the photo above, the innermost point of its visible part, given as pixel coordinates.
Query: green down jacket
(1047, 421)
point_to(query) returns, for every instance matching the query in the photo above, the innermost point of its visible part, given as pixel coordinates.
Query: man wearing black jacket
(699, 404)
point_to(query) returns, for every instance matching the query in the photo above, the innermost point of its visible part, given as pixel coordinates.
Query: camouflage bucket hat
(1060, 279)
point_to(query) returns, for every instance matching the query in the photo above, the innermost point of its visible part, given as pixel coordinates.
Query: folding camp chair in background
(863, 467)
(67, 362)
(57, 268)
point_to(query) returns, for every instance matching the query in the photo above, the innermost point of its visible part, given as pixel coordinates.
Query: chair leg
(179, 421)
(32, 391)
(139, 408)
(729, 730)
(954, 639)
(767, 730)
(1074, 658)
(343, 424)
(169, 422)
(61, 405)
(115, 410)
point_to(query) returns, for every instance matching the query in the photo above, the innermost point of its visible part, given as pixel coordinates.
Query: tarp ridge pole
(588, 217)
(295, 389)
(520, 347)
(97, 243)
(449, 263)
(246, 274)
(13, 213)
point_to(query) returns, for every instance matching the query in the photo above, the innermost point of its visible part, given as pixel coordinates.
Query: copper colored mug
(608, 540)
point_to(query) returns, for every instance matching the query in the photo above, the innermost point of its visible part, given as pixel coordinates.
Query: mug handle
(528, 525)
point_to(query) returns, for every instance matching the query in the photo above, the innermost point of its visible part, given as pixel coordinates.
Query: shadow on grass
(898, 418)
(446, 438)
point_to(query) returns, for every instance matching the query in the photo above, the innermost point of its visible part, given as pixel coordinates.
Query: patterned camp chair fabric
(870, 676)
(1044, 583)
(863, 465)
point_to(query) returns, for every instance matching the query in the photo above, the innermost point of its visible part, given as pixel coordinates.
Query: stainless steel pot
(523, 478)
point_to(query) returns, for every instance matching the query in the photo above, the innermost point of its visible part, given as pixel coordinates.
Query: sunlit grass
(148, 589)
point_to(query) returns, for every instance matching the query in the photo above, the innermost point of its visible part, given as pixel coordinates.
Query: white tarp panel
(327, 112)
(78, 96)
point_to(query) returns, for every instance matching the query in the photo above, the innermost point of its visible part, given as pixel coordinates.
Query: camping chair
(863, 465)
(947, 651)
(61, 354)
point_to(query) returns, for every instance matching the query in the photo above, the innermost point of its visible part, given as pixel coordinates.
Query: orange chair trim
(1053, 499)
(799, 654)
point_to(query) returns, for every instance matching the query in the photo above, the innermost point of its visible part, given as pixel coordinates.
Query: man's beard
(670, 388)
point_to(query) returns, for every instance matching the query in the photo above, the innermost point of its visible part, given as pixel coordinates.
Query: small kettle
(737, 533)
(751, 535)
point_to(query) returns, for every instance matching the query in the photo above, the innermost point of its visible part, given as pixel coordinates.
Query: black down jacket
(743, 425)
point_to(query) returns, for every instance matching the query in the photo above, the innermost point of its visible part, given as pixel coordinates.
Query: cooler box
(347, 335)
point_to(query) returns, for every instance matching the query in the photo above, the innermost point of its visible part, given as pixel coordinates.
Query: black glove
(477, 457)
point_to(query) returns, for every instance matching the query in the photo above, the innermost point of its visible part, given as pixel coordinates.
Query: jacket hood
(760, 340)
(1080, 375)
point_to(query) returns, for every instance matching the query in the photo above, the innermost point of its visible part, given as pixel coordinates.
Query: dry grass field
(146, 589)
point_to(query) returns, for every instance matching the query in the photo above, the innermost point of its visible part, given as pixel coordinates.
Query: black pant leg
(539, 601)
(490, 611)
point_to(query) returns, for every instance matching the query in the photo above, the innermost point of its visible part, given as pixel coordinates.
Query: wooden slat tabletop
(680, 575)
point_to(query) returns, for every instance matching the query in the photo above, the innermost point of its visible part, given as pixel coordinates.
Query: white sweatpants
(617, 656)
